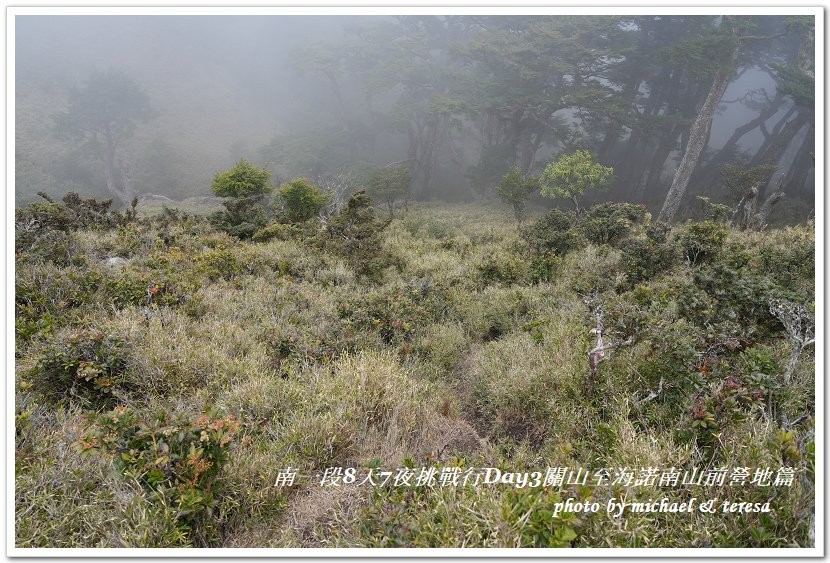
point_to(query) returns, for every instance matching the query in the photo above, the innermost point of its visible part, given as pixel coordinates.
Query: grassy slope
(437, 360)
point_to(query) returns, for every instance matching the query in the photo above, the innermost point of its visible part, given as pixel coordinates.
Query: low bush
(609, 223)
(176, 458)
(643, 258)
(43, 231)
(543, 267)
(278, 231)
(554, 233)
(395, 313)
(503, 268)
(242, 217)
(89, 366)
(355, 234)
(302, 200)
(702, 241)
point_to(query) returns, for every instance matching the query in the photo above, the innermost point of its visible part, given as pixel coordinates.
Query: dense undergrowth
(167, 371)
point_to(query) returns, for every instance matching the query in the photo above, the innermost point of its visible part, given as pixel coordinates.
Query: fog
(218, 84)
(459, 98)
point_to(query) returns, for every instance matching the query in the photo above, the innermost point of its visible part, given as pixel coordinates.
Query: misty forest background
(426, 244)
(457, 98)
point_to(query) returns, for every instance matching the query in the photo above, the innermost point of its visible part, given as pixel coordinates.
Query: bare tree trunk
(766, 208)
(697, 140)
(771, 153)
(114, 176)
(708, 173)
(801, 165)
(746, 209)
(429, 155)
(658, 163)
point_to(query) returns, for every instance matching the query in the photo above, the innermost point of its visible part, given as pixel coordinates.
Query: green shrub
(788, 256)
(89, 365)
(75, 213)
(176, 458)
(554, 233)
(739, 295)
(500, 267)
(609, 223)
(241, 181)
(47, 297)
(126, 288)
(244, 213)
(43, 230)
(242, 217)
(394, 312)
(702, 241)
(355, 234)
(531, 514)
(571, 176)
(643, 259)
(515, 189)
(716, 212)
(278, 231)
(302, 199)
(218, 264)
(389, 185)
(593, 269)
(543, 267)
(658, 232)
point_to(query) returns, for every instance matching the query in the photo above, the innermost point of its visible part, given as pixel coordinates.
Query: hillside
(168, 374)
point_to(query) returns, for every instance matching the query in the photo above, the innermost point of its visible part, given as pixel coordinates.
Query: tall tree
(722, 49)
(104, 113)
(531, 73)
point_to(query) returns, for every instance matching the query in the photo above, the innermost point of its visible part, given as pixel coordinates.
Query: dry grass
(477, 366)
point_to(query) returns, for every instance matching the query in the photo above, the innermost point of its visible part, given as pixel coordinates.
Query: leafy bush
(355, 234)
(128, 288)
(702, 241)
(279, 231)
(47, 297)
(389, 185)
(532, 514)
(302, 199)
(241, 181)
(608, 223)
(176, 458)
(643, 259)
(88, 365)
(555, 233)
(220, 264)
(716, 212)
(740, 295)
(395, 313)
(571, 175)
(502, 268)
(242, 217)
(244, 213)
(659, 232)
(42, 230)
(516, 189)
(788, 257)
(543, 267)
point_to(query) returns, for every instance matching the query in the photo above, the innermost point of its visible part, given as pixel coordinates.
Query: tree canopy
(103, 113)
(572, 175)
(242, 180)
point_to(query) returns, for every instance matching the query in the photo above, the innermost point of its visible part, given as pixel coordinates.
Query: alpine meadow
(430, 281)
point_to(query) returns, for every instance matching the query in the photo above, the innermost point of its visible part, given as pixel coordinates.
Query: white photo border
(375, 8)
